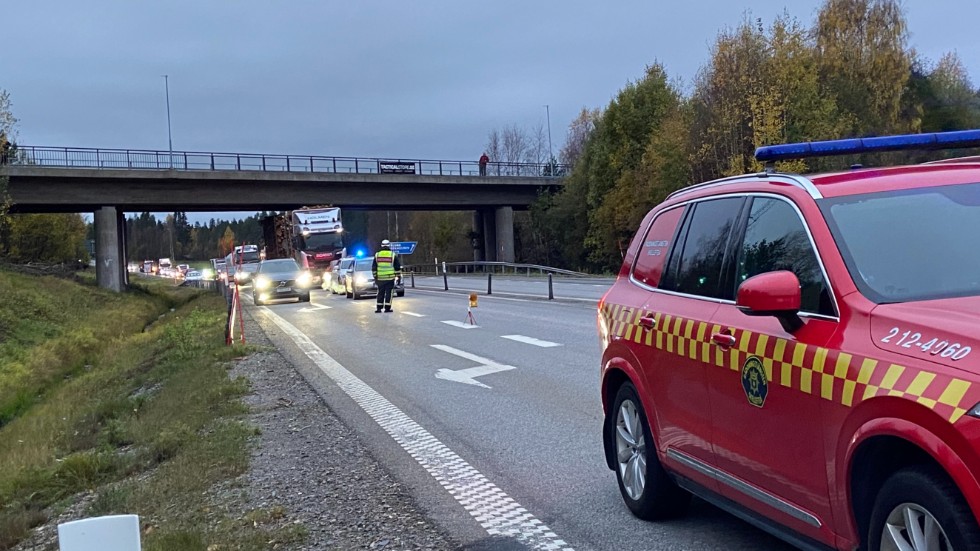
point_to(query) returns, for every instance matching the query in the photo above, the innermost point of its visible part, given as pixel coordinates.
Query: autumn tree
(864, 63)
(56, 238)
(8, 125)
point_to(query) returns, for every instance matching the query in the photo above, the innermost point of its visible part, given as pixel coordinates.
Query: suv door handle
(649, 322)
(723, 339)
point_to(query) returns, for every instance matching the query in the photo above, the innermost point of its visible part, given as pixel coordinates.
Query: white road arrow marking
(314, 307)
(469, 375)
(460, 324)
(531, 340)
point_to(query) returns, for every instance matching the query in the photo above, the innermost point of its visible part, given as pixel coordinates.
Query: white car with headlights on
(280, 278)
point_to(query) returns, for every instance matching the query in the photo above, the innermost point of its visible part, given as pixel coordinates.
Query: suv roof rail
(792, 179)
(901, 142)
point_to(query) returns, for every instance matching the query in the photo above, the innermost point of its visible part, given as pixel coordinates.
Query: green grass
(127, 396)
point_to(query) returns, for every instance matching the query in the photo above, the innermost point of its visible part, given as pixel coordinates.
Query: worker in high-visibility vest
(386, 267)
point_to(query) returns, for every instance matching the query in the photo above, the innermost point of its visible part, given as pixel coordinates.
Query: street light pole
(551, 153)
(170, 137)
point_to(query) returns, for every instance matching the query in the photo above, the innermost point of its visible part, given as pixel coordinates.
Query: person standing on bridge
(386, 267)
(483, 163)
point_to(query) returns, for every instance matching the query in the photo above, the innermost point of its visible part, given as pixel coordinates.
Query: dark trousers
(483, 170)
(385, 287)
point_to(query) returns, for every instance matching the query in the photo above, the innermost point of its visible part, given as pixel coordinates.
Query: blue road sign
(403, 247)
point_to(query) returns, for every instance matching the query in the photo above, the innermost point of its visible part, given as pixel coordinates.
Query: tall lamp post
(551, 154)
(170, 137)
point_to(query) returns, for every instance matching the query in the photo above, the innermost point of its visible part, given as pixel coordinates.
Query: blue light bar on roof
(937, 140)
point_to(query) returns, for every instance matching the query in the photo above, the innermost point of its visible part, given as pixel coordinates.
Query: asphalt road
(505, 412)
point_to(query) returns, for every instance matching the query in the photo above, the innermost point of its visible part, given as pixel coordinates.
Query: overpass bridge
(110, 182)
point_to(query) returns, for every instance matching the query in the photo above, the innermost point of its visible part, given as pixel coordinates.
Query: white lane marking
(531, 340)
(314, 307)
(533, 298)
(460, 324)
(496, 512)
(413, 314)
(469, 375)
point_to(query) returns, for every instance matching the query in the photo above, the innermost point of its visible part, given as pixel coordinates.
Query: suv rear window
(697, 263)
(652, 256)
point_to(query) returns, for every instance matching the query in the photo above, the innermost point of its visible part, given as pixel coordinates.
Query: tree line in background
(849, 73)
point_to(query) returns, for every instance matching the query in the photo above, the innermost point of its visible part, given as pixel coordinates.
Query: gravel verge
(317, 469)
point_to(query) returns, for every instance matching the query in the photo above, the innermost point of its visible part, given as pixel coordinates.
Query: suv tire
(918, 498)
(647, 489)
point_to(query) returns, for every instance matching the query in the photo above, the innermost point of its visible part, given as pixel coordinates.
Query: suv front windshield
(910, 245)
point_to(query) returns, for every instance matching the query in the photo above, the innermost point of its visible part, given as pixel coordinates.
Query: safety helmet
(385, 243)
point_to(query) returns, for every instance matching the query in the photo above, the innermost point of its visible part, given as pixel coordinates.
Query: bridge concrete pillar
(489, 235)
(505, 234)
(110, 263)
(477, 241)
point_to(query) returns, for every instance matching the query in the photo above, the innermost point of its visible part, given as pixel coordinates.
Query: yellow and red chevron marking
(833, 375)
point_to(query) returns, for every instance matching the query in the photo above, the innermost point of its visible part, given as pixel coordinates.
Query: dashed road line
(413, 314)
(460, 324)
(496, 512)
(531, 340)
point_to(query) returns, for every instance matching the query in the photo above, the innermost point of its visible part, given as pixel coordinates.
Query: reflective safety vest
(386, 265)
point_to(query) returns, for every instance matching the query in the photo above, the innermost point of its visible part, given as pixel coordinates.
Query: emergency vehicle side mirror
(772, 294)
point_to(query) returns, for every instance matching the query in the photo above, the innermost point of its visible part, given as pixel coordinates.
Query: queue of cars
(798, 350)
(276, 279)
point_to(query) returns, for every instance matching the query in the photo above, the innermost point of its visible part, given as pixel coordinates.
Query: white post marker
(469, 375)
(110, 533)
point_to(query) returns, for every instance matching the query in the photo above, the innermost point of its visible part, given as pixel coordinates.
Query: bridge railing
(138, 159)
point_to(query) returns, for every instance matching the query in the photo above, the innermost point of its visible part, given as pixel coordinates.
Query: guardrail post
(263, 163)
(288, 169)
(334, 165)
(238, 162)
(551, 289)
(185, 161)
(413, 279)
(489, 283)
(311, 165)
(357, 168)
(445, 281)
(212, 161)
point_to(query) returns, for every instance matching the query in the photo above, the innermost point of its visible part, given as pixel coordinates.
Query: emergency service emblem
(754, 381)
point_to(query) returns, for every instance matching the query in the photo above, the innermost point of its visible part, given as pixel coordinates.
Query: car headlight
(241, 276)
(262, 282)
(207, 273)
(304, 279)
(361, 279)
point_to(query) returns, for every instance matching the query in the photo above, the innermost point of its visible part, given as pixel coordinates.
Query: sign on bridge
(396, 167)
(403, 247)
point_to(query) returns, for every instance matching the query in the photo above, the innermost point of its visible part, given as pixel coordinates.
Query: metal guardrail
(488, 267)
(138, 159)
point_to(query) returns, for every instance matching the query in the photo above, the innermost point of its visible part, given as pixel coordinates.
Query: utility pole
(551, 153)
(170, 137)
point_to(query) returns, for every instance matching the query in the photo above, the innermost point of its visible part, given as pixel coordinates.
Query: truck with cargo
(311, 235)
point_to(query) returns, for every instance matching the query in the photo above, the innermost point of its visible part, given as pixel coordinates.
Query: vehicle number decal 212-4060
(933, 346)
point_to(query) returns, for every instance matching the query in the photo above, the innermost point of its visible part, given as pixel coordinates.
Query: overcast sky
(407, 79)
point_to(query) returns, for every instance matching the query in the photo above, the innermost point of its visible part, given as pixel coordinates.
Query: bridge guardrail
(139, 159)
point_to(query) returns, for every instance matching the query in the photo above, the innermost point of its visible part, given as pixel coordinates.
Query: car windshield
(364, 264)
(279, 265)
(910, 245)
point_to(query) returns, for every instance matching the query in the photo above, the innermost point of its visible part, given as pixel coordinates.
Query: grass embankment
(126, 396)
